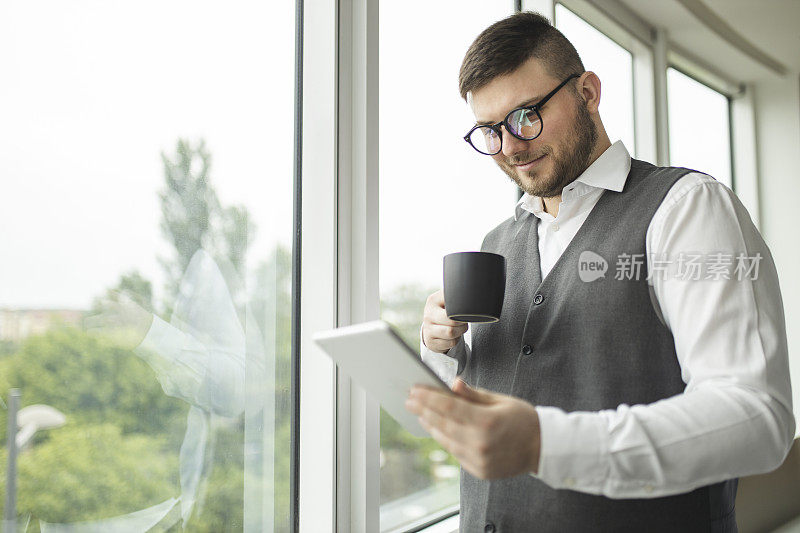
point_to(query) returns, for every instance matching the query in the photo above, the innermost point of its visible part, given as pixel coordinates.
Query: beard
(573, 158)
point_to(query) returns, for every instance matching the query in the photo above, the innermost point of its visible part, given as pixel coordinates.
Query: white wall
(778, 136)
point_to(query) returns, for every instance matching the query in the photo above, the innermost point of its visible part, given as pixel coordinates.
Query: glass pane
(613, 65)
(145, 289)
(436, 196)
(699, 127)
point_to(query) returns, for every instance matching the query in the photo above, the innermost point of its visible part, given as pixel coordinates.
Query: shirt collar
(609, 171)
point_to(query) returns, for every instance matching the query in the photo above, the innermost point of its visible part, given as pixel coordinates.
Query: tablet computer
(375, 356)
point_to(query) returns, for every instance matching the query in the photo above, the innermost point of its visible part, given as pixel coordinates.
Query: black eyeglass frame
(534, 107)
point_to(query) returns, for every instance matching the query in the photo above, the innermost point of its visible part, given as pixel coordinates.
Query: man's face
(544, 165)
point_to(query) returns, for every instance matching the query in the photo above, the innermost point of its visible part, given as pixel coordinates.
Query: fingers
(444, 432)
(435, 310)
(439, 333)
(465, 457)
(440, 338)
(451, 445)
(437, 344)
(455, 437)
(474, 394)
(444, 405)
(445, 332)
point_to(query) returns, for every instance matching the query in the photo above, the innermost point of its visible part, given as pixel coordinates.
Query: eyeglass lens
(524, 123)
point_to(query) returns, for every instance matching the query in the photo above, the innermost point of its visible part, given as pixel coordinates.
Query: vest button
(489, 528)
(527, 350)
(538, 299)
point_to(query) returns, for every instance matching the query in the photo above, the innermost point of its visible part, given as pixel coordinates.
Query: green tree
(92, 471)
(271, 304)
(188, 203)
(407, 457)
(7, 348)
(192, 217)
(235, 234)
(223, 506)
(117, 413)
(403, 307)
(134, 286)
(91, 380)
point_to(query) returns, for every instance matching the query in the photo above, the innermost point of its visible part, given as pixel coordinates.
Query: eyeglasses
(524, 123)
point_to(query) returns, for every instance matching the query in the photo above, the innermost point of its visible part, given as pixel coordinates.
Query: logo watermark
(591, 266)
(688, 266)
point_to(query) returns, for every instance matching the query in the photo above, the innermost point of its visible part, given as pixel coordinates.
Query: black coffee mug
(474, 286)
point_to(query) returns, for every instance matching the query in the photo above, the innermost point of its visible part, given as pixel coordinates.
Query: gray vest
(582, 346)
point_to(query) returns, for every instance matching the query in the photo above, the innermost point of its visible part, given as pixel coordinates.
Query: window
(613, 64)
(146, 288)
(437, 195)
(699, 127)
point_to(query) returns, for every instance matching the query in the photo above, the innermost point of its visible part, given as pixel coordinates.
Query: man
(629, 400)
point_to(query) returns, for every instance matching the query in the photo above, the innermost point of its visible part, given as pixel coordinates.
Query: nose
(512, 145)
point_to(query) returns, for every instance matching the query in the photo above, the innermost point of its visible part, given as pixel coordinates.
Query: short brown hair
(505, 45)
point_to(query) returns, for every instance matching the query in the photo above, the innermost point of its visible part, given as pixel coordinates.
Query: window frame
(728, 98)
(653, 54)
(634, 36)
(741, 120)
(339, 445)
(316, 495)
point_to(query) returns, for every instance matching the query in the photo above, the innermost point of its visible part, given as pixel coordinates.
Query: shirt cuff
(443, 365)
(161, 339)
(574, 449)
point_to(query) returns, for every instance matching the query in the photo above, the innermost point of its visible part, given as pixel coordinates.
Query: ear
(588, 87)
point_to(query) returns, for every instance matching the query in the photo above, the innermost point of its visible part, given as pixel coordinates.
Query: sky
(94, 92)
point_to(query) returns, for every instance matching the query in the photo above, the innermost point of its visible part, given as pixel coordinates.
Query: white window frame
(652, 54)
(635, 36)
(317, 457)
(358, 415)
(339, 443)
(744, 163)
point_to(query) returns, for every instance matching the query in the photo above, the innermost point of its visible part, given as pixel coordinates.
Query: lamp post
(29, 420)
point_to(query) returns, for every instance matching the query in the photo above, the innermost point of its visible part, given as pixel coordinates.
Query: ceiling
(746, 40)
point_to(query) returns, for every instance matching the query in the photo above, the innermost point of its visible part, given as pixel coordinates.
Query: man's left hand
(492, 435)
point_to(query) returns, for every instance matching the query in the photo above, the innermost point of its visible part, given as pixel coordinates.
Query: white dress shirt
(735, 416)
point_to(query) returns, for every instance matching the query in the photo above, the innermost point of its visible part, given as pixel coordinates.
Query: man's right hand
(439, 333)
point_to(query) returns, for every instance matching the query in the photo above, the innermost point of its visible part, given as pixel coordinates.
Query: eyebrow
(523, 104)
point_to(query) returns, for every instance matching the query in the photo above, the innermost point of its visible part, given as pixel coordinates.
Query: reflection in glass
(145, 289)
(199, 356)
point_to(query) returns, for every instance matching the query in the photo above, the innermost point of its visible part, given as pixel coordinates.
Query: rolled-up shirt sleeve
(210, 376)
(735, 416)
(450, 364)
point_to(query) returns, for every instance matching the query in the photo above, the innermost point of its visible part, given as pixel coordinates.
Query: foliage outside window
(146, 288)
